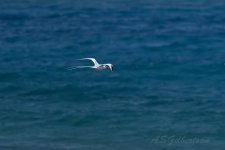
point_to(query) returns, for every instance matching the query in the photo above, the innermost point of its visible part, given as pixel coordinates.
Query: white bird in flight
(96, 65)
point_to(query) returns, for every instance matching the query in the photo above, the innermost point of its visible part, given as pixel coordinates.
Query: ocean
(167, 89)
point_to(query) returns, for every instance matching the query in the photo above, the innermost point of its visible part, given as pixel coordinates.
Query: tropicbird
(96, 65)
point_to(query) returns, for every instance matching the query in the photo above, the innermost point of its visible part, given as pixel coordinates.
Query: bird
(96, 65)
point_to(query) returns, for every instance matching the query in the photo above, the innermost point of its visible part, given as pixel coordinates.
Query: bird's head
(110, 66)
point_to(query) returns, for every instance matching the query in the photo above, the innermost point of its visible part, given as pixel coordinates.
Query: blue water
(168, 83)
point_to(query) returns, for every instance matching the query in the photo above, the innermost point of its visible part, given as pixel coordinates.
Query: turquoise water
(167, 90)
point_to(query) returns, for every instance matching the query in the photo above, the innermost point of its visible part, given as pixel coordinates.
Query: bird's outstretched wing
(92, 59)
(77, 67)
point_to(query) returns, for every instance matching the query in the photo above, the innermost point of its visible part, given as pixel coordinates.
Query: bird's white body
(96, 65)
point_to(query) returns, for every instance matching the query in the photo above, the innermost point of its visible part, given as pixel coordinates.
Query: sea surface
(167, 91)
